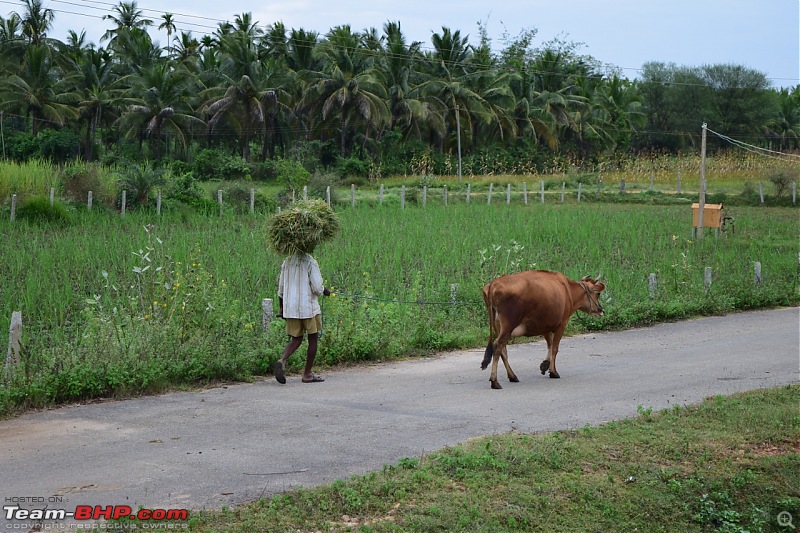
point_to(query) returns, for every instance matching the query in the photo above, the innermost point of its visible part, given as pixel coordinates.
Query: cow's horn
(598, 277)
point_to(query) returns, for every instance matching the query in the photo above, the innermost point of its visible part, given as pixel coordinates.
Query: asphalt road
(237, 443)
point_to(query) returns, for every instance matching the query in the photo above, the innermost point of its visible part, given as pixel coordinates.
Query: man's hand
(326, 291)
(280, 308)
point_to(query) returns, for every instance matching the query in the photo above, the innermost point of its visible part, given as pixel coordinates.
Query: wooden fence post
(266, 313)
(14, 340)
(13, 207)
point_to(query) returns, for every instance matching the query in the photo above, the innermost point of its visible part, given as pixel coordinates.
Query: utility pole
(2, 136)
(458, 137)
(702, 200)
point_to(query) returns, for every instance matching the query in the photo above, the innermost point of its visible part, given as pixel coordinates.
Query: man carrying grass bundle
(296, 232)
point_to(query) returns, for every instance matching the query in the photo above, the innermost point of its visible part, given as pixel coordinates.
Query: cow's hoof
(513, 379)
(544, 366)
(496, 385)
(554, 375)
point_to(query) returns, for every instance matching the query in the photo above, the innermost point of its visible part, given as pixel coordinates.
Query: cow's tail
(487, 356)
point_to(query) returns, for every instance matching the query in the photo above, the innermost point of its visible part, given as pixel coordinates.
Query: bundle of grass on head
(302, 227)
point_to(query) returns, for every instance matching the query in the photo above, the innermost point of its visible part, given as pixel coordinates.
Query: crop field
(116, 306)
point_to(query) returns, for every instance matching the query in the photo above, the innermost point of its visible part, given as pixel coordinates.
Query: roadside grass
(729, 464)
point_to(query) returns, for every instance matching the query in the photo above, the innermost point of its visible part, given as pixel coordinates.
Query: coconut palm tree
(160, 96)
(169, 25)
(40, 89)
(127, 16)
(348, 89)
(36, 21)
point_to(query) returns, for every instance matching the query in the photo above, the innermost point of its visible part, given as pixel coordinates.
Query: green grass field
(116, 306)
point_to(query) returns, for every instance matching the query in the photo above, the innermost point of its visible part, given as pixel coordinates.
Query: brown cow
(535, 302)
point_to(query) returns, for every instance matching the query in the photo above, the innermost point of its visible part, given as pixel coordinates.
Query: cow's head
(591, 303)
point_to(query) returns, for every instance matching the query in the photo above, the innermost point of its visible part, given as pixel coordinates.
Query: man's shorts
(296, 327)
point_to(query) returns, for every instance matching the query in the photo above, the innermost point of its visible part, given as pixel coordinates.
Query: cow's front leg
(512, 377)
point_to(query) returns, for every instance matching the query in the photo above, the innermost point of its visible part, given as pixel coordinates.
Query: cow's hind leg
(512, 377)
(553, 351)
(499, 349)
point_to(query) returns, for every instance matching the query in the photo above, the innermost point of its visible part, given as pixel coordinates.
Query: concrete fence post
(508, 194)
(757, 272)
(14, 341)
(13, 207)
(489, 198)
(468, 192)
(652, 285)
(541, 188)
(89, 202)
(266, 313)
(305, 192)
(453, 293)
(707, 278)
(679, 182)
(52, 196)
(402, 197)
(352, 195)
(328, 194)
(252, 201)
(380, 195)
(124, 202)
(158, 203)
(444, 194)
(424, 196)
(525, 192)
(563, 190)
(219, 200)
(580, 186)
(761, 191)
(794, 192)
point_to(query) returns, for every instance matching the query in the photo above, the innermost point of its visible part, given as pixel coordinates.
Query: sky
(759, 34)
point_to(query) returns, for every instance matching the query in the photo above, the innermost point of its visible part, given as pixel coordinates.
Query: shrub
(59, 146)
(139, 180)
(79, 178)
(237, 195)
(216, 165)
(291, 174)
(782, 179)
(37, 209)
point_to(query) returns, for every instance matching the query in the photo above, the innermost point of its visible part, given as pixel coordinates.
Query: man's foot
(313, 379)
(277, 369)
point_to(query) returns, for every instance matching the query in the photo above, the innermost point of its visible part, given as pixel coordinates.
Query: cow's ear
(599, 287)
